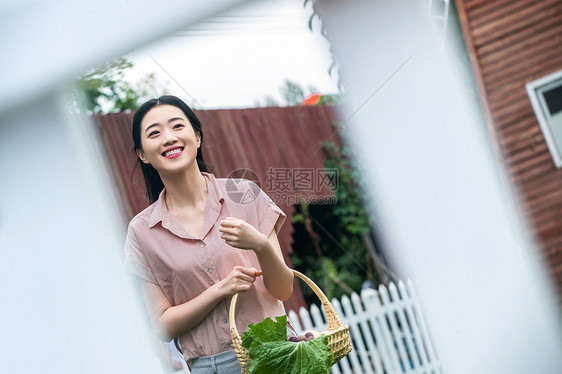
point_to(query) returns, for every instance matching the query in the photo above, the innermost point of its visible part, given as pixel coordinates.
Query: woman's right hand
(240, 279)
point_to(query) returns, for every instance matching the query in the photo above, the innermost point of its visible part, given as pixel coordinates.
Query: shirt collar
(160, 212)
(214, 192)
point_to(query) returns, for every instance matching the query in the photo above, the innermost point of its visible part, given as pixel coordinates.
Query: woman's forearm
(179, 319)
(277, 276)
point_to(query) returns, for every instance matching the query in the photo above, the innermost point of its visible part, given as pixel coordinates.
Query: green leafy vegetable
(270, 352)
(266, 331)
(307, 357)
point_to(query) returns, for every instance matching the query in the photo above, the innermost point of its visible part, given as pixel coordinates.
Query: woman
(194, 247)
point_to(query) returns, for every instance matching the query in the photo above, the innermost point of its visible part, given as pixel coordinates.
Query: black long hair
(154, 184)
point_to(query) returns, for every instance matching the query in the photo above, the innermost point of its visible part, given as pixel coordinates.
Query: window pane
(553, 99)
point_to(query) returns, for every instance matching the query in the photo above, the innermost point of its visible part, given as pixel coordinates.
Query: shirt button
(225, 320)
(202, 245)
(210, 270)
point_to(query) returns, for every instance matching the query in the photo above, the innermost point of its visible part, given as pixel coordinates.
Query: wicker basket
(338, 336)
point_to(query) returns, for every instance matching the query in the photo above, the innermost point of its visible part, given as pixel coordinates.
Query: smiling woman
(167, 140)
(194, 247)
(180, 112)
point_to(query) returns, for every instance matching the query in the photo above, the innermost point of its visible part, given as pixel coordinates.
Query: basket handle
(334, 321)
(232, 319)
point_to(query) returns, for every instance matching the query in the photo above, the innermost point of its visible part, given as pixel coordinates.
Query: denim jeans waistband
(214, 359)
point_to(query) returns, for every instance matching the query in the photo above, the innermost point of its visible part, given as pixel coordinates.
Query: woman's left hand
(240, 234)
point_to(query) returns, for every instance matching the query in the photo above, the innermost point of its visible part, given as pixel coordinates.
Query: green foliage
(105, 89)
(350, 208)
(308, 357)
(324, 33)
(344, 255)
(329, 100)
(341, 228)
(292, 93)
(330, 287)
(270, 101)
(270, 352)
(267, 330)
(298, 218)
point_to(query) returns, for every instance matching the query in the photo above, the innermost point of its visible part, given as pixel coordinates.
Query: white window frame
(534, 91)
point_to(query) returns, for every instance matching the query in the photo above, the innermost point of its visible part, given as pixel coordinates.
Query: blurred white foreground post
(65, 305)
(444, 208)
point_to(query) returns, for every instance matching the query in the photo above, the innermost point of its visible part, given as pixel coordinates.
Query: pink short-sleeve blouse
(159, 250)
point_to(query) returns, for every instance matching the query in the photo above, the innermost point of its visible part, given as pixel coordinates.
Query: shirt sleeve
(270, 216)
(135, 261)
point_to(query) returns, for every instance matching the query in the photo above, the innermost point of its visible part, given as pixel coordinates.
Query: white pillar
(65, 303)
(441, 200)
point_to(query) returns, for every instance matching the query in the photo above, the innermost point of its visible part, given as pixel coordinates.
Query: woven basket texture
(339, 339)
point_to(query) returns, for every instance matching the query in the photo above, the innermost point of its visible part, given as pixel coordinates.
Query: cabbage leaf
(270, 352)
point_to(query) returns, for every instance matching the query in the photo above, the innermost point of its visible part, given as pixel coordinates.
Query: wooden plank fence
(387, 328)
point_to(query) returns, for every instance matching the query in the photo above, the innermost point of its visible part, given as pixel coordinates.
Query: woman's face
(168, 140)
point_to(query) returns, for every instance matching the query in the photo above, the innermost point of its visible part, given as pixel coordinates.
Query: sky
(236, 59)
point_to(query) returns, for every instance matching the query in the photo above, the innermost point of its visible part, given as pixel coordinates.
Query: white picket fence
(387, 328)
